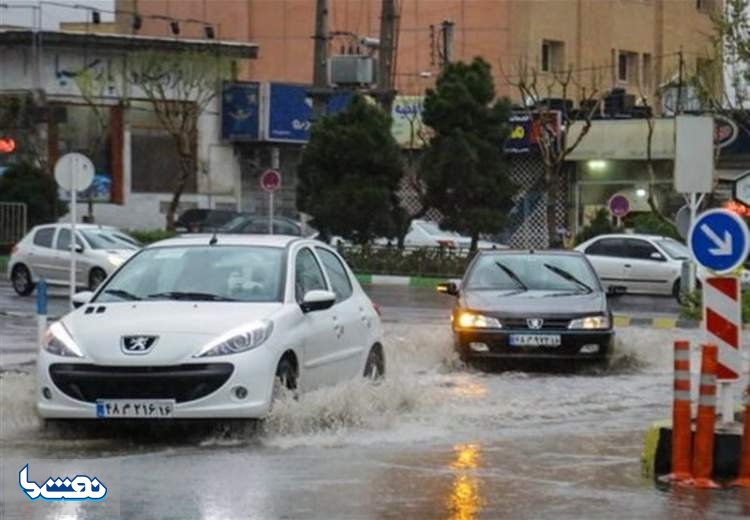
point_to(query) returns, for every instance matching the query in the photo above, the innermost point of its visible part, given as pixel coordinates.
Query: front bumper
(201, 388)
(498, 345)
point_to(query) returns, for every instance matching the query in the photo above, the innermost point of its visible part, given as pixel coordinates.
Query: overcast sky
(52, 15)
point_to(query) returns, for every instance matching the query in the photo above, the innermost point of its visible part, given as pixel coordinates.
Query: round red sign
(270, 180)
(619, 205)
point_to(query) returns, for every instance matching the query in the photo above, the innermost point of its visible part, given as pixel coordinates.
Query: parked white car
(200, 326)
(424, 233)
(45, 253)
(646, 264)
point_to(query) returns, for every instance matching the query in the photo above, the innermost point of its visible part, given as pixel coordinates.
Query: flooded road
(435, 440)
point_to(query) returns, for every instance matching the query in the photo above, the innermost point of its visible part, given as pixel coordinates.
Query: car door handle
(628, 266)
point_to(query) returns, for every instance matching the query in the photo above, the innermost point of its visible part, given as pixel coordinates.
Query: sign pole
(73, 202)
(270, 213)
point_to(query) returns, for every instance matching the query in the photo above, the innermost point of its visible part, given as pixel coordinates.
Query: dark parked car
(203, 220)
(546, 305)
(257, 225)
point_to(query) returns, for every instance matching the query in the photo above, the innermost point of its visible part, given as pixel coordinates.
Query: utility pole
(447, 30)
(386, 54)
(681, 68)
(320, 59)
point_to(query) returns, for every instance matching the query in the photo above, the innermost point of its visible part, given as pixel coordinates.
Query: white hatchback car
(201, 326)
(45, 253)
(646, 264)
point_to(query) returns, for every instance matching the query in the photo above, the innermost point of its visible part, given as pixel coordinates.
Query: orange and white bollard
(743, 477)
(682, 434)
(703, 449)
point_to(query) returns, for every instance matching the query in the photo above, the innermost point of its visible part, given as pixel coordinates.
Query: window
(639, 249)
(607, 247)
(705, 6)
(43, 237)
(538, 271)
(200, 273)
(308, 275)
(648, 73)
(553, 56)
(63, 240)
(337, 274)
(154, 156)
(627, 67)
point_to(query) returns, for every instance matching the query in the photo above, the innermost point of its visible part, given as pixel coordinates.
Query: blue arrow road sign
(719, 240)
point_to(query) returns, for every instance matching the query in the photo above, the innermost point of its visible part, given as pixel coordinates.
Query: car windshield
(674, 249)
(109, 239)
(199, 273)
(532, 272)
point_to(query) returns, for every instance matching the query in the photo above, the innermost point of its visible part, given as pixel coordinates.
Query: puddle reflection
(465, 501)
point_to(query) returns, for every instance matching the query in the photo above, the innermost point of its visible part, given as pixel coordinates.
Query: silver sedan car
(45, 253)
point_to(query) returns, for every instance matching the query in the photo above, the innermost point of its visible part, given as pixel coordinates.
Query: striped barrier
(743, 476)
(682, 431)
(723, 323)
(703, 449)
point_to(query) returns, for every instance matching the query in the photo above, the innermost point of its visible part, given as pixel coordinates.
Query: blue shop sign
(240, 111)
(290, 110)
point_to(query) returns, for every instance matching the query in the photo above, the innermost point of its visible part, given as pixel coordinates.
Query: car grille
(179, 382)
(548, 324)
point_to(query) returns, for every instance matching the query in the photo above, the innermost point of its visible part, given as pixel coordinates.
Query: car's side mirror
(317, 301)
(450, 288)
(657, 256)
(79, 248)
(82, 298)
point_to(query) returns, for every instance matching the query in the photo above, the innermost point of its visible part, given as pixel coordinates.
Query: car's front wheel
(286, 379)
(375, 364)
(96, 277)
(21, 279)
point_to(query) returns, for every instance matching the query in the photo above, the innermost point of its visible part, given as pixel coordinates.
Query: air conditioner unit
(352, 70)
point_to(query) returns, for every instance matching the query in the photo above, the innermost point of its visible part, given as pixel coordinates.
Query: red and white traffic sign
(270, 180)
(722, 321)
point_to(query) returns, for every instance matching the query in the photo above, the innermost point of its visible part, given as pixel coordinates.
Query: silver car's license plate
(135, 408)
(535, 340)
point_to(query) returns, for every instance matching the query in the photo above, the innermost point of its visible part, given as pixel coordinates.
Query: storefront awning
(623, 140)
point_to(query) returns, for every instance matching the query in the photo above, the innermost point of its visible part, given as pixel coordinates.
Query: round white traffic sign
(74, 169)
(270, 180)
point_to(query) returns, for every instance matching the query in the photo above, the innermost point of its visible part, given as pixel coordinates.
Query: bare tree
(180, 87)
(556, 138)
(95, 84)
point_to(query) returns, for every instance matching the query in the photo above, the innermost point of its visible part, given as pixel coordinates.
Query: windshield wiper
(191, 296)
(120, 293)
(566, 275)
(513, 276)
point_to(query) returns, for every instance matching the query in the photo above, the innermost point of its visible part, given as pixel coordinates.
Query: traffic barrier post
(681, 416)
(41, 311)
(743, 477)
(703, 448)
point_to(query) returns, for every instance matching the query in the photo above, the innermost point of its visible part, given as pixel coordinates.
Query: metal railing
(13, 222)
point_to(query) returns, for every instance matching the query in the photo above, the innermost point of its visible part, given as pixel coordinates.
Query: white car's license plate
(535, 340)
(135, 408)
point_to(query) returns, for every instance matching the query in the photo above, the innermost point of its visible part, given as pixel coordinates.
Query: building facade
(631, 44)
(112, 121)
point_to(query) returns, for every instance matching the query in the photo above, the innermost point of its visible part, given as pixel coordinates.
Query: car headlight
(116, 261)
(472, 320)
(57, 341)
(590, 323)
(239, 340)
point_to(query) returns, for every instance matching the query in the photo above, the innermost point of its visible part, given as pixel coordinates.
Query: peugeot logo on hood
(138, 344)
